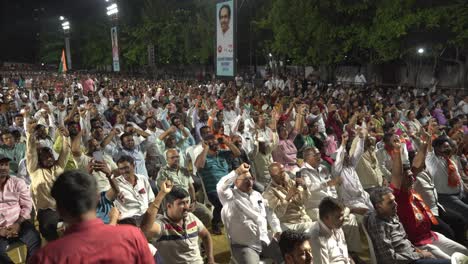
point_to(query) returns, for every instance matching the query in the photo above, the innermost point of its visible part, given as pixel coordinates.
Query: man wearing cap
(15, 210)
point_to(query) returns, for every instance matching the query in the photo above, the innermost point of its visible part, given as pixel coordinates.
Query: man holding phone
(286, 198)
(96, 158)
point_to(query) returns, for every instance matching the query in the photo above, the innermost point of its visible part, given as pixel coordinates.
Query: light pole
(112, 12)
(420, 54)
(66, 31)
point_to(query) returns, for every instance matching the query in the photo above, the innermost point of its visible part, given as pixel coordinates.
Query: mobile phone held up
(98, 156)
(298, 176)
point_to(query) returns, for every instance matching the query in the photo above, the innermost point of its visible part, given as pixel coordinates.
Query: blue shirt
(137, 155)
(103, 208)
(215, 168)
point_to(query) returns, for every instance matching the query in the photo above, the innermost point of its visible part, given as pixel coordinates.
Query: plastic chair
(373, 258)
(16, 246)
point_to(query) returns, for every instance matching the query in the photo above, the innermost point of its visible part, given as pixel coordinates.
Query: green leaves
(325, 32)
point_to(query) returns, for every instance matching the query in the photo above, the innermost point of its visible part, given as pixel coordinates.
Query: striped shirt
(15, 201)
(103, 208)
(179, 244)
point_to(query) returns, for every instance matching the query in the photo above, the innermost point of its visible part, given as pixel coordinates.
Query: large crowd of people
(117, 169)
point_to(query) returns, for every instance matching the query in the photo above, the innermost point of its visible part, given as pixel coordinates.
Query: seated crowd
(144, 171)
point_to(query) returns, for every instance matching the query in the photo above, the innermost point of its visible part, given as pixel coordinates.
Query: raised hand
(204, 145)
(426, 135)
(335, 181)
(102, 166)
(396, 143)
(344, 138)
(31, 126)
(63, 131)
(172, 129)
(243, 168)
(362, 132)
(166, 186)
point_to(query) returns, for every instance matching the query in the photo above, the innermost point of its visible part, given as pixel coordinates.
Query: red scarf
(415, 197)
(389, 150)
(453, 177)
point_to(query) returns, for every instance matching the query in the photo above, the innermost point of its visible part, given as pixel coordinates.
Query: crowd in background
(294, 170)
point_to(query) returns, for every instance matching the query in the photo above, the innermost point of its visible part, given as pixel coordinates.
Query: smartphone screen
(298, 174)
(97, 155)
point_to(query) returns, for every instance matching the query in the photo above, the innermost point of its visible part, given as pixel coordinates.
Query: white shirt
(191, 155)
(136, 198)
(385, 160)
(152, 150)
(351, 191)
(230, 120)
(267, 134)
(462, 108)
(328, 246)
(269, 85)
(316, 183)
(438, 170)
(244, 215)
(101, 179)
(320, 122)
(424, 185)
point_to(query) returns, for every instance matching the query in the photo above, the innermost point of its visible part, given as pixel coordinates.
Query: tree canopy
(306, 32)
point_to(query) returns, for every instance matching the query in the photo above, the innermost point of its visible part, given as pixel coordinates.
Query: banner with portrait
(225, 39)
(115, 49)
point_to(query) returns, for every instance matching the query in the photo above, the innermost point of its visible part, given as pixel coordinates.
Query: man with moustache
(43, 170)
(15, 207)
(14, 151)
(181, 177)
(327, 238)
(295, 247)
(176, 233)
(135, 190)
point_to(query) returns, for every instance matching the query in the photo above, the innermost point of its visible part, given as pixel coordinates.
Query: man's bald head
(172, 158)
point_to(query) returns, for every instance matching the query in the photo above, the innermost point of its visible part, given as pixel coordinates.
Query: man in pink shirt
(88, 86)
(15, 210)
(87, 239)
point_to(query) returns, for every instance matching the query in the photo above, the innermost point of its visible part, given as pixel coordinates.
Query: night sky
(20, 22)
